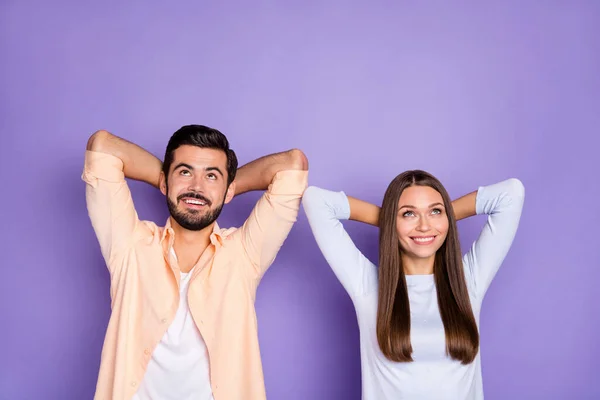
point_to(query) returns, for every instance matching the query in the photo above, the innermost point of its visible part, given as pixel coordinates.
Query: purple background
(472, 93)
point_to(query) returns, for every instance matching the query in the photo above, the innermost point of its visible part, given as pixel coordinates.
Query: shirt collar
(216, 237)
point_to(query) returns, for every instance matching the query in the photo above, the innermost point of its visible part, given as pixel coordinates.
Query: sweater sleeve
(502, 203)
(325, 210)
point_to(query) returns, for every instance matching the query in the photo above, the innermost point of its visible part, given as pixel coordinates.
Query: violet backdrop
(474, 93)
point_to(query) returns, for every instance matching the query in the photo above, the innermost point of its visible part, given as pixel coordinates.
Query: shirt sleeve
(109, 204)
(272, 218)
(502, 203)
(325, 209)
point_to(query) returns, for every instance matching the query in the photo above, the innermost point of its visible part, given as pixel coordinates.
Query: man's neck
(189, 245)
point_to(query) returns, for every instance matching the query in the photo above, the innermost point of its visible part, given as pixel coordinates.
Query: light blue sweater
(433, 375)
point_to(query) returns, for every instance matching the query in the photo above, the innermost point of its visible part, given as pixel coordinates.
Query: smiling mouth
(423, 240)
(195, 202)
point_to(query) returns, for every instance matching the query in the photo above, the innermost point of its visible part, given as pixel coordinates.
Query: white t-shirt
(179, 367)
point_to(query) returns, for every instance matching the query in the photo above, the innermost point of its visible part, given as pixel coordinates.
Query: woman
(418, 312)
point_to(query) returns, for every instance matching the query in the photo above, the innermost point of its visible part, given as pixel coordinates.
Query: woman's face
(422, 222)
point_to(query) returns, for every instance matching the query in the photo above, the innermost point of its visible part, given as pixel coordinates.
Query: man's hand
(258, 174)
(138, 164)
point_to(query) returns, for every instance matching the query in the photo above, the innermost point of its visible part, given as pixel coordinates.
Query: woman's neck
(418, 266)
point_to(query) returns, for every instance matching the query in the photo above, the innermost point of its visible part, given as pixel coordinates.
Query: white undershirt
(179, 368)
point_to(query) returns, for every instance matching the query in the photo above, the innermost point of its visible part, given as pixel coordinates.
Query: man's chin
(182, 208)
(192, 225)
(187, 211)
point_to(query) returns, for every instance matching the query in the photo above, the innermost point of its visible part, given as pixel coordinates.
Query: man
(183, 323)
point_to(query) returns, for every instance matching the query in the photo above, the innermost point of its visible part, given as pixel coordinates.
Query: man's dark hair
(201, 136)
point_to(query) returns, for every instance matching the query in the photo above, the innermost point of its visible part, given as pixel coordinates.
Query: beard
(192, 220)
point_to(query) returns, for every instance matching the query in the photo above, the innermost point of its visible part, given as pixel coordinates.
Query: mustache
(194, 196)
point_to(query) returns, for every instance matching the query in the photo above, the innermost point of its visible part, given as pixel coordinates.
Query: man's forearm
(138, 163)
(258, 174)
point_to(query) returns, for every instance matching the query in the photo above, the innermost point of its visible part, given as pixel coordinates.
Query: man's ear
(162, 183)
(230, 192)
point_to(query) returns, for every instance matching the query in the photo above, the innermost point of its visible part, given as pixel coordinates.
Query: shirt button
(133, 383)
(164, 320)
(147, 352)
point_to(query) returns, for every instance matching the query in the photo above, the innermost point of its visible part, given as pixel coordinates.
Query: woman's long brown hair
(393, 313)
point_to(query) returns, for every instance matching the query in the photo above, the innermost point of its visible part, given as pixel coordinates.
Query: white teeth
(423, 240)
(197, 202)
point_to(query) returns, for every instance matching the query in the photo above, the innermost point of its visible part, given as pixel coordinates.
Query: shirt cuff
(289, 182)
(480, 201)
(342, 209)
(102, 166)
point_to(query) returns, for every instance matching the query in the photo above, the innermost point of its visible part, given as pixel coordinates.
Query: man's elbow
(298, 160)
(97, 140)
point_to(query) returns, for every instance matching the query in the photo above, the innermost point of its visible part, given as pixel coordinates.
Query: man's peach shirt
(145, 278)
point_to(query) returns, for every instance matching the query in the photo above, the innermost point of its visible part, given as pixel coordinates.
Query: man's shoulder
(147, 229)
